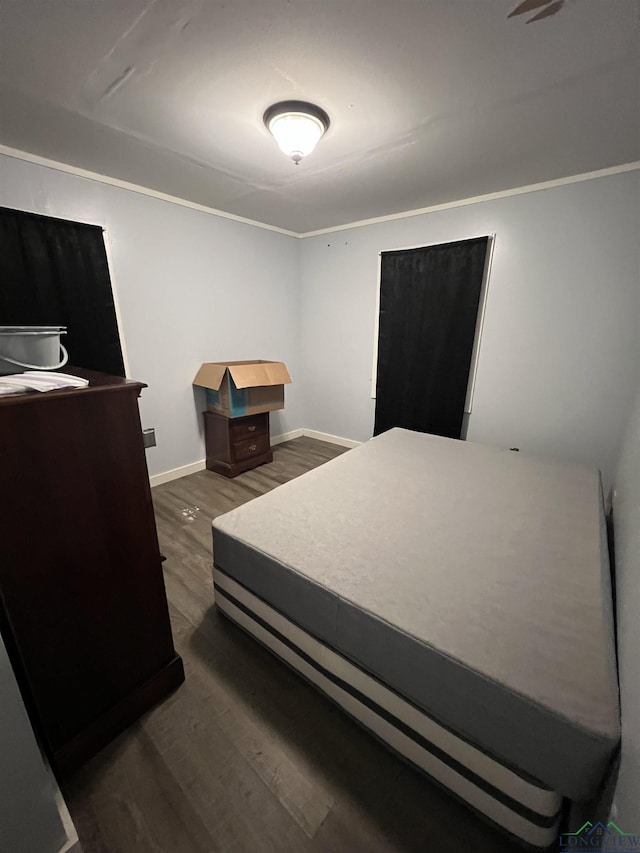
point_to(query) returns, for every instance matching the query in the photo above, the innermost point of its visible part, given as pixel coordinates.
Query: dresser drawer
(253, 426)
(250, 447)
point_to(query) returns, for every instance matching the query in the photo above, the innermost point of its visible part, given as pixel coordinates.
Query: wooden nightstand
(234, 445)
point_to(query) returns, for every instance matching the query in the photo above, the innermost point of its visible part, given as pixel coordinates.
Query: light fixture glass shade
(296, 126)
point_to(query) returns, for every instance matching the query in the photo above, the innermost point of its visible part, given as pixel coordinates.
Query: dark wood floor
(245, 757)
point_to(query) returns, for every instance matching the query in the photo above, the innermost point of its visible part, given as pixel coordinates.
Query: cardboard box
(239, 388)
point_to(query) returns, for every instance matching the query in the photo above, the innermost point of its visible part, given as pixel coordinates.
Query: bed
(453, 598)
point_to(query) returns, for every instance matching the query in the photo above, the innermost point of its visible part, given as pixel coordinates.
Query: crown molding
(464, 202)
(136, 188)
(17, 154)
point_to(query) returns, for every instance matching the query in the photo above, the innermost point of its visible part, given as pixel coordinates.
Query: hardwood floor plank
(269, 749)
(237, 809)
(138, 801)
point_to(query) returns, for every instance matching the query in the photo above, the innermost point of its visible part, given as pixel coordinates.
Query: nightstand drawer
(250, 447)
(253, 426)
(234, 445)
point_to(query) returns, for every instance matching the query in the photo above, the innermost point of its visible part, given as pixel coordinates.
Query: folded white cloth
(39, 380)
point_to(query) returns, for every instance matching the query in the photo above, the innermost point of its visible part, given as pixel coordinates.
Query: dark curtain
(429, 301)
(54, 273)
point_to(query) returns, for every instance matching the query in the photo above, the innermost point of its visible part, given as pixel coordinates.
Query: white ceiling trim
(448, 205)
(17, 154)
(136, 188)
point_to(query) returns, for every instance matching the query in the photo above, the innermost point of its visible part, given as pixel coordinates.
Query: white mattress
(471, 580)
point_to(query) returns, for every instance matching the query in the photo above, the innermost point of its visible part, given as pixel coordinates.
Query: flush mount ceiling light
(296, 126)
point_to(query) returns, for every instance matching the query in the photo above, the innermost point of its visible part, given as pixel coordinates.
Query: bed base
(523, 807)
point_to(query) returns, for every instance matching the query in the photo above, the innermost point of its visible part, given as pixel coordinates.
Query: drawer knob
(253, 447)
(252, 428)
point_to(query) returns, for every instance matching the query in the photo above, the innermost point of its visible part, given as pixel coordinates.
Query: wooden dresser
(234, 445)
(83, 609)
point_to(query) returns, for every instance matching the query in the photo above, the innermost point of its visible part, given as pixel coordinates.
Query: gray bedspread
(472, 580)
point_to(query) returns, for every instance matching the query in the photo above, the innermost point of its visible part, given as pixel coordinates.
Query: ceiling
(430, 101)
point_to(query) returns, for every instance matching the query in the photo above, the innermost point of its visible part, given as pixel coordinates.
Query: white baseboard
(176, 473)
(200, 465)
(332, 439)
(72, 844)
(286, 436)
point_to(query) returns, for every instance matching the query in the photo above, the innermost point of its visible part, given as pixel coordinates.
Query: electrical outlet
(149, 437)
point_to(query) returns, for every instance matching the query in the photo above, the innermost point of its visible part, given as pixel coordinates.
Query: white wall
(191, 286)
(626, 514)
(559, 348)
(33, 818)
(560, 345)
(627, 538)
